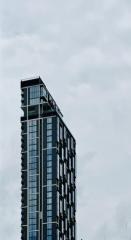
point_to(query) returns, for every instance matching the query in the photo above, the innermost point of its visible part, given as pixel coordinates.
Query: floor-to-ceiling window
(33, 179)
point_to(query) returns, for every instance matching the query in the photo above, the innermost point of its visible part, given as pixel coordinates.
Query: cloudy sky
(82, 50)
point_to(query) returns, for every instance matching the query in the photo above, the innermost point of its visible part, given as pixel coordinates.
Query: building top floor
(35, 92)
(36, 100)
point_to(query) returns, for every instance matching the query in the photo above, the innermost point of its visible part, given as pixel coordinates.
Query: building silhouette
(48, 167)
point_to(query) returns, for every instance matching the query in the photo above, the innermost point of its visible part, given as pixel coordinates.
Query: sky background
(82, 51)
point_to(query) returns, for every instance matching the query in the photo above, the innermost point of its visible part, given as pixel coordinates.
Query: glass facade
(34, 95)
(48, 168)
(49, 179)
(33, 184)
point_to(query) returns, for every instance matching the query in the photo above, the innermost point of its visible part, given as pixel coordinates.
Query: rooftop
(46, 96)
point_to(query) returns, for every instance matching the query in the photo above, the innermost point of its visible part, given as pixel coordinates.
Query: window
(49, 145)
(33, 128)
(32, 190)
(33, 202)
(61, 132)
(33, 227)
(33, 159)
(33, 171)
(49, 231)
(49, 157)
(43, 92)
(32, 221)
(33, 215)
(49, 194)
(64, 133)
(32, 123)
(49, 170)
(33, 141)
(49, 219)
(33, 235)
(49, 139)
(33, 165)
(49, 120)
(49, 163)
(49, 213)
(32, 147)
(32, 197)
(49, 133)
(49, 177)
(33, 153)
(34, 95)
(49, 189)
(49, 151)
(49, 200)
(49, 126)
(32, 135)
(49, 207)
(49, 226)
(49, 237)
(49, 182)
(32, 208)
(68, 143)
(33, 178)
(34, 101)
(32, 184)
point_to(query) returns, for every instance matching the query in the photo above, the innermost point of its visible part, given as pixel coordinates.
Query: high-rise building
(48, 160)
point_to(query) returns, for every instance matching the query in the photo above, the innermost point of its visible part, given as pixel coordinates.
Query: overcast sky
(82, 50)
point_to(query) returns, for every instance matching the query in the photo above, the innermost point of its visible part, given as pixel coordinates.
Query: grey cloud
(119, 227)
(82, 51)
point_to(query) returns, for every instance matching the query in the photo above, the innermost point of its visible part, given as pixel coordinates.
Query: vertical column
(24, 181)
(33, 179)
(49, 178)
